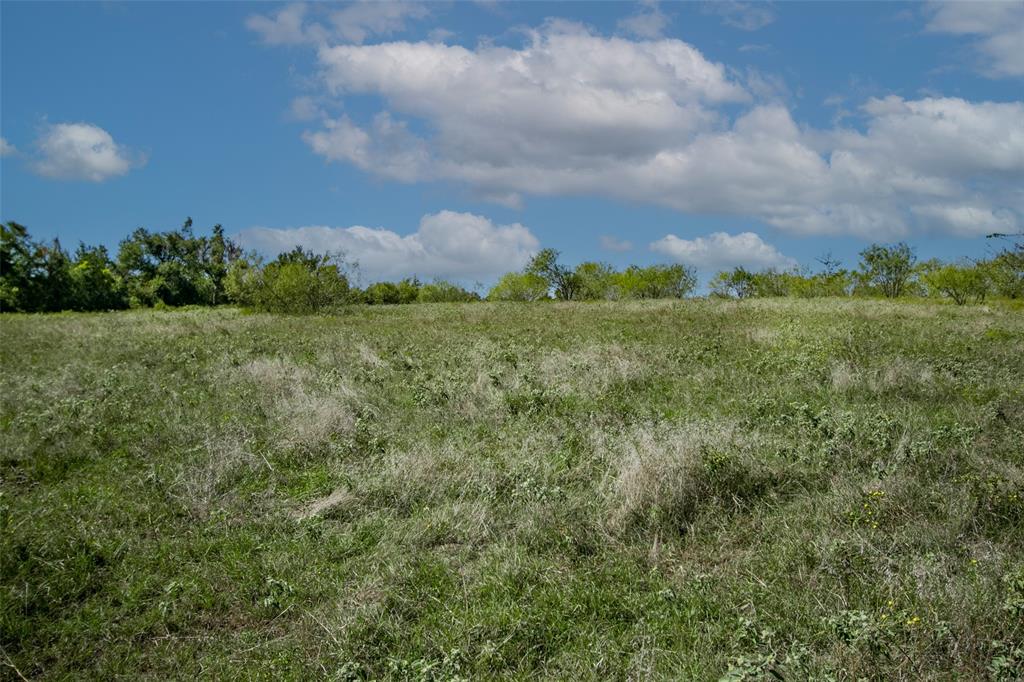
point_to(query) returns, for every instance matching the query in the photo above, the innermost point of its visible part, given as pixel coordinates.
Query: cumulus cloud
(358, 21)
(648, 22)
(460, 246)
(286, 27)
(353, 23)
(998, 28)
(82, 151)
(615, 245)
(6, 148)
(746, 16)
(571, 112)
(723, 250)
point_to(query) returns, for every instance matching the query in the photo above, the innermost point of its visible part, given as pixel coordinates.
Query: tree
(888, 268)
(382, 293)
(94, 283)
(736, 283)
(441, 291)
(562, 280)
(297, 281)
(519, 286)
(176, 267)
(596, 281)
(958, 282)
(655, 281)
(1006, 269)
(34, 277)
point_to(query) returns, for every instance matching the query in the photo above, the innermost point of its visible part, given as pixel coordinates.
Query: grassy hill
(827, 489)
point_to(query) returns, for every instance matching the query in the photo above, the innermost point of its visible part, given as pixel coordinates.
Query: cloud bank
(570, 112)
(997, 28)
(723, 250)
(447, 244)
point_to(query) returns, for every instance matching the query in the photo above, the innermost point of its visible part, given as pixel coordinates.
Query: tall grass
(823, 489)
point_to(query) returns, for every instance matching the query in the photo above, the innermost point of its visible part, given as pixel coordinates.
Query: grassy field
(771, 489)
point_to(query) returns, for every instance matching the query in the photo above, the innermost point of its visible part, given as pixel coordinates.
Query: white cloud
(723, 250)
(440, 35)
(304, 108)
(460, 246)
(82, 151)
(609, 243)
(570, 112)
(648, 22)
(998, 27)
(353, 23)
(6, 148)
(746, 16)
(966, 220)
(287, 27)
(356, 22)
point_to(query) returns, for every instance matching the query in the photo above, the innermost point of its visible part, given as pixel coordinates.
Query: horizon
(453, 140)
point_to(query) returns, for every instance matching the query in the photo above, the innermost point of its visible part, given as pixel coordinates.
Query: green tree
(1006, 269)
(94, 283)
(958, 282)
(560, 279)
(34, 277)
(382, 293)
(519, 286)
(888, 269)
(655, 281)
(176, 267)
(736, 283)
(596, 281)
(441, 291)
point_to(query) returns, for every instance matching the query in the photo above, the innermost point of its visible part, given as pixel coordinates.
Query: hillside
(827, 489)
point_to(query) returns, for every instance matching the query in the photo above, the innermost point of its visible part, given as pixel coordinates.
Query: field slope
(690, 490)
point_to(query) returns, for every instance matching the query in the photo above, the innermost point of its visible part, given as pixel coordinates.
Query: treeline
(886, 271)
(180, 268)
(544, 277)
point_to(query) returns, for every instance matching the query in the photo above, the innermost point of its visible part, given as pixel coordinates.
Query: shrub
(958, 282)
(655, 281)
(519, 286)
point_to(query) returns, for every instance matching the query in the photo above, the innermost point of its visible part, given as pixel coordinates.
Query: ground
(685, 490)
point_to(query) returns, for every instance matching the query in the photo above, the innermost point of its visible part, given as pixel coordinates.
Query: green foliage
(296, 282)
(959, 282)
(36, 277)
(596, 281)
(559, 278)
(887, 269)
(735, 283)
(94, 283)
(176, 268)
(441, 291)
(655, 281)
(1006, 271)
(682, 489)
(519, 286)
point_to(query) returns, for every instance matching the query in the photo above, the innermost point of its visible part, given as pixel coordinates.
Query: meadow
(828, 489)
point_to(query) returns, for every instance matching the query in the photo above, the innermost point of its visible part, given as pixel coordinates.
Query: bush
(297, 282)
(519, 286)
(655, 281)
(445, 292)
(958, 282)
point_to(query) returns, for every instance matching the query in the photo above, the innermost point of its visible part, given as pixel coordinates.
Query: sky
(454, 139)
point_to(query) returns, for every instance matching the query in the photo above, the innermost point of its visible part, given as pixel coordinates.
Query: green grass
(689, 490)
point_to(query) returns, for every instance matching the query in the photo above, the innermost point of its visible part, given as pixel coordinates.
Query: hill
(690, 490)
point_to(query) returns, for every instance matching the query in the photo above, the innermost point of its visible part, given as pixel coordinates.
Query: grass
(688, 490)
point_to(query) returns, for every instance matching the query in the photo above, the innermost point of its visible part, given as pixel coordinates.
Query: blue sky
(453, 139)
